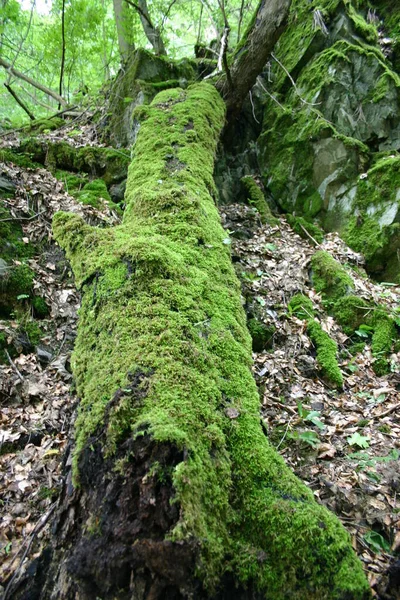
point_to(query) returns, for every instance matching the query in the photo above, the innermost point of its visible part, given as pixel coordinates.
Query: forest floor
(344, 445)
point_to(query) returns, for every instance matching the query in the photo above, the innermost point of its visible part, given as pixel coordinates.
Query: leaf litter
(37, 405)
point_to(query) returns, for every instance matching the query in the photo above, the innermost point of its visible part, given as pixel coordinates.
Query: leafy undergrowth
(343, 443)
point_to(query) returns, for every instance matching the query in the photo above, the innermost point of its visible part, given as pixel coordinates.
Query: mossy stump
(176, 491)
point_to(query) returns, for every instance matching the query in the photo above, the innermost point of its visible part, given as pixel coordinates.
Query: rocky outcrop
(331, 136)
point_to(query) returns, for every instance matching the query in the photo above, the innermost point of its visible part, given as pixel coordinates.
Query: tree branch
(32, 82)
(19, 101)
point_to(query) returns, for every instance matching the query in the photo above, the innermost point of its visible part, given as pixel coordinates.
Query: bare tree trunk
(151, 32)
(60, 89)
(253, 51)
(124, 25)
(32, 82)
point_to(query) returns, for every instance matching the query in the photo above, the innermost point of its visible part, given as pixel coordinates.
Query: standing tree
(123, 22)
(174, 491)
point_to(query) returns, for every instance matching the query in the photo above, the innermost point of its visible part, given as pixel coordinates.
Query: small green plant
(308, 437)
(364, 331)
(364, 460)
(376, 542)
(7, 548)
(311, 416)
(356, 439)
(384, 428)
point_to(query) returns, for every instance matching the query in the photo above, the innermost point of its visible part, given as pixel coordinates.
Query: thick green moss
(33, 331)
(21, 160)
(255, 197)
(351, 312)
(11, 243)
(109, 164)
(261, 334)
(301, 306)
(44, 125)
(160, 297)
(15, 286)
(71, 180)
(329, 277)
(40, 308)
(326, 353)
(303, 227)
(95, 193)
(382, 341)
(326, 347)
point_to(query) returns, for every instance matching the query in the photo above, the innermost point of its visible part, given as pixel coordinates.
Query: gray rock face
(4, 268)
(322, 146)
(141, 79)
(7, 187)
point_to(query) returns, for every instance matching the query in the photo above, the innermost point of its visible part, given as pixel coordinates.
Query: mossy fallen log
(177, 492)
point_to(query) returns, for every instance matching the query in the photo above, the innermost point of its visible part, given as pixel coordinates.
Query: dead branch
(19, 101)
(32, 82)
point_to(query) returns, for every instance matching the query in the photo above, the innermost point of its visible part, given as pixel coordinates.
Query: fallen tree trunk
(176, 492)
(10, 69)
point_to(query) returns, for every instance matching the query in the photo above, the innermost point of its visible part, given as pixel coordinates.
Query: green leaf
(260, 300)
(310, 438)
(356, 439)
(364, 331)
(376, 542)
(22, 296)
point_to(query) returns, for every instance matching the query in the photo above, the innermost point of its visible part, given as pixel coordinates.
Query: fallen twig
(38, 527)
(13, 365)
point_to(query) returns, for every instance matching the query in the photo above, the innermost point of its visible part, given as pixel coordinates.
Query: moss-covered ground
(160, 297)
(336, 286)
(326, 348)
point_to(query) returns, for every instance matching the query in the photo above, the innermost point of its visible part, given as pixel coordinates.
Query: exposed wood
(32, 82)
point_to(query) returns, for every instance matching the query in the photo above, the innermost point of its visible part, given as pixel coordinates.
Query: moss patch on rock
(326, 348)
(305, 229)
(20, 159)
(329, 277)
(46, 125)
(351, 312)
(327, 351)
(261, 335)
(108, 163)
(255, 197)
(301, 306)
